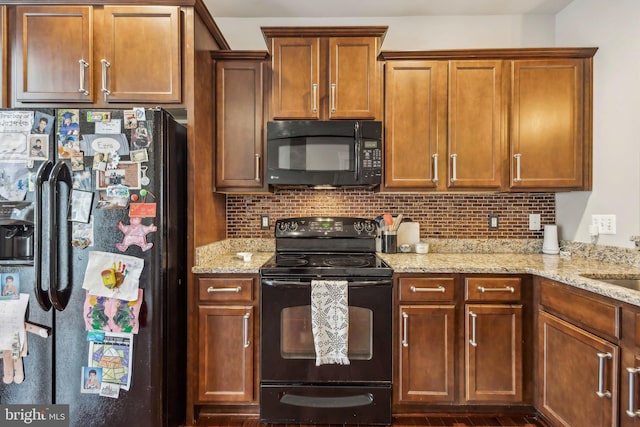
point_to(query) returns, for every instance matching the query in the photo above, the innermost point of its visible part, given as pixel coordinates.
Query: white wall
(412, 33)
(614, 27)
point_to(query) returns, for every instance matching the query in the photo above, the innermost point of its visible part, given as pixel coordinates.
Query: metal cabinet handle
(505, 289)
(245, 330)
(454, 167)
(631, 411)
(517, 157)
(472, 341)
(439, 288)
(314, 90)
(333, 97)
(405, 326)
(435, 168)
(257, 168)
(83, 65)
(212, 290)
(105, 67)
(601, 391)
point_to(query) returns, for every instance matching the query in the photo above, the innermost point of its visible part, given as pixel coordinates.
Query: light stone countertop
(220, 257)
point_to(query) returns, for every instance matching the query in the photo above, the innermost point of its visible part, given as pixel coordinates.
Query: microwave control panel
(371, 158)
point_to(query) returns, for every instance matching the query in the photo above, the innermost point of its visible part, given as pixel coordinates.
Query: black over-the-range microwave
(324, 153)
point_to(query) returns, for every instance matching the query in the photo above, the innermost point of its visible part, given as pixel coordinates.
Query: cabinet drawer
(597, 315)
(225, 289)
(492, 288)
(427, 288)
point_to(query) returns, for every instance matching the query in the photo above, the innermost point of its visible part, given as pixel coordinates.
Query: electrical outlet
(606, 223)
(264, 222)
(534, 222)
(493, 222)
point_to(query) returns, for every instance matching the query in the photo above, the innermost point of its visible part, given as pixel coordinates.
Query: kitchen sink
(633, 283)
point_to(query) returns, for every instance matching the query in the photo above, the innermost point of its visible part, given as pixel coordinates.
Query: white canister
(550, 242)
(422, 247)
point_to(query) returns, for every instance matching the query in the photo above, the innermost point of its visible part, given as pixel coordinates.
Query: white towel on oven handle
(330, 321)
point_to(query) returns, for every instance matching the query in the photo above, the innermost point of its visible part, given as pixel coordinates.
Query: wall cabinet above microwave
(325, 73)
(488, 120)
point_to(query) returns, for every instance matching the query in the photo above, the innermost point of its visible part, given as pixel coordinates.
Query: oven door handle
(270, 282)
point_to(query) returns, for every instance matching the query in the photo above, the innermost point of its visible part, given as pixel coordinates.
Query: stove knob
(358, 227)
(369, 227)
(282, 226)
(293, 226)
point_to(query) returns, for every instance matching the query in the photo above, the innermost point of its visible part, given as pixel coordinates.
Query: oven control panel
(326, 227)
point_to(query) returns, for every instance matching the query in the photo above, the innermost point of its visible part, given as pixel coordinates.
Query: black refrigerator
(53, 275)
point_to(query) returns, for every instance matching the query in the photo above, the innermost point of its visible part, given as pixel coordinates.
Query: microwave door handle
(357, 151)
(41, 294)
(59, 224)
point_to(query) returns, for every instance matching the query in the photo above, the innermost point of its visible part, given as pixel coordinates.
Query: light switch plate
(606, 223)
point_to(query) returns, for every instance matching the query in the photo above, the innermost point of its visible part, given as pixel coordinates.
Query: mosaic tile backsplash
(443, 216)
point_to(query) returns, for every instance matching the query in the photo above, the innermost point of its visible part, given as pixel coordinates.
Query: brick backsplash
(448, 215)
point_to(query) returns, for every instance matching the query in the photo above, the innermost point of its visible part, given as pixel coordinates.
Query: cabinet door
(239, 124)
(547, 124)
(53, 54)
(354, 89)
(493, 353)
(295, 78)
(476, 124)
(225, 354)
(141, 60)
(571, 365)
(426, 342)
(415, 117)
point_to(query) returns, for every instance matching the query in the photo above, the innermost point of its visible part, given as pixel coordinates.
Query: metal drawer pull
(83, 65)
(245, 330)
(405, 326)
(472, 341)
(212, 290)
(505, 289)
(314, 88)
(440, 288)
(105, 66)
(435, 168)
(517, 177)
(632, 374)
(257, 179)
(601, 392)
(454, 167)
(333, 97)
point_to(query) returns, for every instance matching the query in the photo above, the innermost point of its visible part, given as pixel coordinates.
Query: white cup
(422, 247)
(245, 256)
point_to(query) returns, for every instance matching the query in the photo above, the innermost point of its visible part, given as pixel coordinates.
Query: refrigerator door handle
(41, 293)
(59, 224)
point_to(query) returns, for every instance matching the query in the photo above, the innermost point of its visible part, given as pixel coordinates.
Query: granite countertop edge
(221, 258)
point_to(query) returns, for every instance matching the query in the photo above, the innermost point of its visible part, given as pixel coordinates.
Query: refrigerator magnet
(91, 379)
(142, 210)
(135, 234)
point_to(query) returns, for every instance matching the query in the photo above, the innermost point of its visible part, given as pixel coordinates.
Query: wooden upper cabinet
(295, 74)
(548, 124)
(54, 54)
(477, 124)
(415, 117)
(142, 50)
(4, 51)
(77, 53)
(324, 73)
(239, 124)
(354, 90)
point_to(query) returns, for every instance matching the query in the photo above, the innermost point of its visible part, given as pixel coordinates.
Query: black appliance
(53, 277)
(292, 388)
(324, 153)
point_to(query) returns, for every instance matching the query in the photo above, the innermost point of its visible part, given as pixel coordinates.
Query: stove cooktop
(326, 264)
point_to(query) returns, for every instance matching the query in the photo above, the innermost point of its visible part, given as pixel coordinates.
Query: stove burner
(346, 262)
(291, 260)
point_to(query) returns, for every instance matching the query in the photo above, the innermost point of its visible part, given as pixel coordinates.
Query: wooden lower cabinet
(225, 369)
(427, 355)
(493, 353)
(227, 340)
(577, 375)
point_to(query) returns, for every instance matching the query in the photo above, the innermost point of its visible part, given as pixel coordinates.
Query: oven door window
(297, 334)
